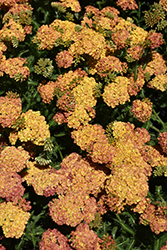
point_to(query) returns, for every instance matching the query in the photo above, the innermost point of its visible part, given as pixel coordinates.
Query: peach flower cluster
(10, 109)
(142, 110)
(13, 220)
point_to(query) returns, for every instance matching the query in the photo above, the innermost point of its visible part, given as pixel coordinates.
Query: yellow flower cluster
(87, 41)
(128, 182)
(159, 82)
(36, 129)
(41, 178)
(13, 220)
(157, 65)
(67, 29)
(92, 138)
(84, 103)
(73, 4)
(12, 31)
(116, 92)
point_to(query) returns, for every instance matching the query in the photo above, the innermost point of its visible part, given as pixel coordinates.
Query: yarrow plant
(83, 128)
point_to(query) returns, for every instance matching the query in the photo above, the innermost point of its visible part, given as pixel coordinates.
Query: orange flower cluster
(142, 110)
(92, 138)
(116, 92)
(135, 86)
(78, 178)
(46, 37)
(164, 4)
(64, 59)
(127, 4)
(154, 216)
(9, 3)
(109, 64)
(73, 4)
(162, 139)
(13, 32)
(83, 238)
(87, 41)
(157, 65)
(13, 159)
(53, 239)
(67, 29)
(15, 69)
(13, 220)
(21, 13)
(10, 109)
(36, 130)
(155, 38)
(11, 186)
(47, 91)
(80, 101)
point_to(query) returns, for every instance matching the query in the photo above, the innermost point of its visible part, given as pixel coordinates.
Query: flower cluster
(47, 91)
(154, 216)
(136, 85)
(15, 69)
(53, 239)
(116, 92)
(9, 3)
(13, 220)
(73, 4)
(157, 65)
(92, 138)
(21, 13)
(12, 32)
(10, 109)
(129, 171)
(127, 4)
(142, 110)
(83, 238)
(159, 82)
(42, 178)
(46, 37)
(87, 41)
(13, 159)
(36, 130)
(78, 178)
(11, 186)
(162, 139)
(64, 59)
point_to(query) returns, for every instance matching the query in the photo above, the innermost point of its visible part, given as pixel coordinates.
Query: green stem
(60, 153)
(151, 126)
(124, 226)
(154, 112)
